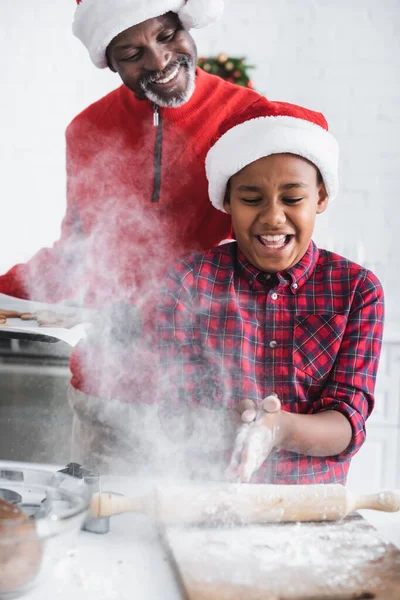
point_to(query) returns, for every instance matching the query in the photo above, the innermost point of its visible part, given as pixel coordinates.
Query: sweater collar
(145, 108)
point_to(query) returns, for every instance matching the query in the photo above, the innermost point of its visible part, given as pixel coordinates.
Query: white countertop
(130, 563)
(127, 563)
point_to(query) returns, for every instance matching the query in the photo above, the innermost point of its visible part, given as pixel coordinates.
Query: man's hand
(45, 318)
(49, 318)
(259, 432)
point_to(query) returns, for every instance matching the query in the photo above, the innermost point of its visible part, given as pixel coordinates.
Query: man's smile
(167, 76)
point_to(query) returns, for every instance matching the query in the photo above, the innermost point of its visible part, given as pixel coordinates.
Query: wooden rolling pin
(241, 503)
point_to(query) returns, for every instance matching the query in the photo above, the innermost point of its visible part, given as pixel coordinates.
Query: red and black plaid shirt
(312, 334)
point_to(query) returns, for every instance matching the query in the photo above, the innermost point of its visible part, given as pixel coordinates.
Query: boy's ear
(227, 200)
(323, 200)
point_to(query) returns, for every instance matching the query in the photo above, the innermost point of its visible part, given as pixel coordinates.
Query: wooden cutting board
(344, 560)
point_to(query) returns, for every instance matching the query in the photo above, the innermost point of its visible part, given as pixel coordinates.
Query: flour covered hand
(258, 433)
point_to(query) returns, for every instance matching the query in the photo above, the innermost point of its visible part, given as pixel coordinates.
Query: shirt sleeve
(185, 375)
(351, 384)
(55, 273)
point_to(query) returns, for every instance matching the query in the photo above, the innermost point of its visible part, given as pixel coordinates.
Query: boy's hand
(258, 433)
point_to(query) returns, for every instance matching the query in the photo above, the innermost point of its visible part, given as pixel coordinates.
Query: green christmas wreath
(230, 68)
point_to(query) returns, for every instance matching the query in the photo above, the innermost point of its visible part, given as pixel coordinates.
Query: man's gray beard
(179, 99)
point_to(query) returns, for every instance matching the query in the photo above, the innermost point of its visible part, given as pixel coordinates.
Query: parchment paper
(16, 328)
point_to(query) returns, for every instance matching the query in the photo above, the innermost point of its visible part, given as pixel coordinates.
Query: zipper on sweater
(157, 154)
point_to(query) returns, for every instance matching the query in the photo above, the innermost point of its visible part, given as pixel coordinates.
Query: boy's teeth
(273, 240)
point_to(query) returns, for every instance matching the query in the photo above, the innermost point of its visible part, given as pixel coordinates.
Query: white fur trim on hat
(263, 136)
(97, 22)
(199, 13)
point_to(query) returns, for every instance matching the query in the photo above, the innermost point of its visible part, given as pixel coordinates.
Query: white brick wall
(337, 56)
(341, 57)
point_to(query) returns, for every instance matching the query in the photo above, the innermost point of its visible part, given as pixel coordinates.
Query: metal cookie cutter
(92, 524)
(10, 496)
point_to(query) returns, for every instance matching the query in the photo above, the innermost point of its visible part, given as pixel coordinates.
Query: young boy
(271, 315)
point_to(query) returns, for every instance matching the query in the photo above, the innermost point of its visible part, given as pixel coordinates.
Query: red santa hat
(97, 22)
(266, 128)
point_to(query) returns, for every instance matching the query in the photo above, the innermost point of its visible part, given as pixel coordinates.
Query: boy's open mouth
(275, 242)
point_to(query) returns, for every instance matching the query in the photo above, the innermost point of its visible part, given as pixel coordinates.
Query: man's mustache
(150, 78)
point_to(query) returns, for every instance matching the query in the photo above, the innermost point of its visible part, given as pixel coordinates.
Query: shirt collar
(302, 270)
(296, 276)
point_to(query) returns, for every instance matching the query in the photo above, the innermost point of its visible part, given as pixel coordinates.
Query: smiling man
(137, 199)
(156, 60)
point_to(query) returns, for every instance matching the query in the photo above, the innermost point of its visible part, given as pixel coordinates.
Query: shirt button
(273, 344)
(295, 286)
(268, 276)
(274, 296)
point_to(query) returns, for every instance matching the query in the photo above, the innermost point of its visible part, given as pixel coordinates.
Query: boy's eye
(292, 200)
(251, 200)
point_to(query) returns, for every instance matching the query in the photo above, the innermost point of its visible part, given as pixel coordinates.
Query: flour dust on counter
(128, 563)
(337, 561)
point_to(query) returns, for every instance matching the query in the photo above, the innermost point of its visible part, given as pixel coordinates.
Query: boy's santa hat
(97, 22)
(266, 128)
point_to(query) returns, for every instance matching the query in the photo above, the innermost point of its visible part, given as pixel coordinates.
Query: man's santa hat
(266, 128)
(97, 22)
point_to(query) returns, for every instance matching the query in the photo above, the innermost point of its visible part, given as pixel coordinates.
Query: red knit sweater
(136, 201)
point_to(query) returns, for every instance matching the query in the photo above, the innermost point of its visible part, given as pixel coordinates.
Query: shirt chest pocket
(316, 342)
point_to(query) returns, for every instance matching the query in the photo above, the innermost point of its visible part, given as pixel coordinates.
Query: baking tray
(31, 330)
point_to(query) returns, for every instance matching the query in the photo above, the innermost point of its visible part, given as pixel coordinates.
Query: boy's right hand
(258, 434)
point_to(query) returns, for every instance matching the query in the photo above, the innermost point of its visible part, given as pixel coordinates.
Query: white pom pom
(200, 13)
